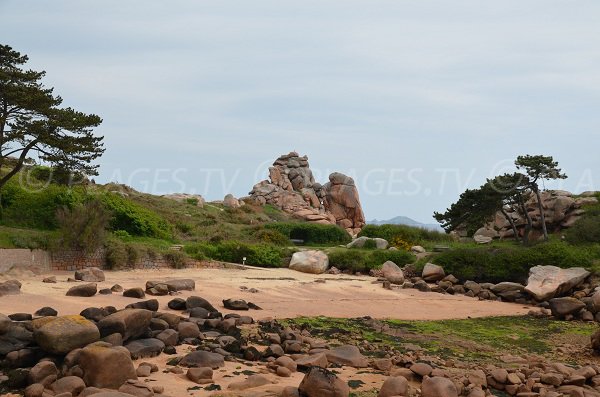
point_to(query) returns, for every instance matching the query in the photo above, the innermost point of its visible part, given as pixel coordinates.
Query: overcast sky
(415, 99)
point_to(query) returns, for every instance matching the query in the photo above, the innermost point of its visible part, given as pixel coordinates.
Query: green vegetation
(407, 234)
(135, 219)
(363, 260)
(478, 339)
(512, 263)
(312, 233)
(234, 251)
(84, 226)
(586, 231)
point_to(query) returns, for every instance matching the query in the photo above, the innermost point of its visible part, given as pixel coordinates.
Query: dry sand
(283, 293)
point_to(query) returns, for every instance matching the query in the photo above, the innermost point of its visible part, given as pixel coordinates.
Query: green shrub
(410, 234)
(270, 236)
(177, 259)
(35, 207)
(184, 227)
(116, 255)
(362, 261)
(135, 219)
(311, 233)
(370, 245)
(510, 263)
(264, 255)
(83, 227)
(193, 201)
(585, 231)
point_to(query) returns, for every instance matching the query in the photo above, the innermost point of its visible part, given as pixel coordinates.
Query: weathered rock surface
(392, 273)
(83, 290)
(547, 282)
(320, 382)
(347, 355)
(107, 366)
(164, 287)
(438, 386)
(10, 287)
(315, 262)
(292, 188)
(433, 272)
(90, 274)
(60, 335)
(561, 307)
(202, 359)
(129, 323)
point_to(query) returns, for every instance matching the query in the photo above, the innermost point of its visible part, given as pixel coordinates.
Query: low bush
(177, 259)
(510, 263)
(83, 227)
(135, 219)
(585, 231)
(233, 251)
(270, 236)
(120, 254)
(35, 207)
(311, 233)
(362, 261)
(405, 234)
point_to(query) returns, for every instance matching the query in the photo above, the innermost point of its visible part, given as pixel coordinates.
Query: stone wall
(76, 260)
(24, 257)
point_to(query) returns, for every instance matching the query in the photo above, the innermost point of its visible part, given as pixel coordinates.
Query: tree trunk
(529, 225)
(512, 224)
(542, 216)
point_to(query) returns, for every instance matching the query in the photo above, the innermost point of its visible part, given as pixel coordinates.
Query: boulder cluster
(567, 294)
(292, 188)
(561, 210)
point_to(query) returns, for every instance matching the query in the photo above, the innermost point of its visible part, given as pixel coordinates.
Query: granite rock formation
(292, 188)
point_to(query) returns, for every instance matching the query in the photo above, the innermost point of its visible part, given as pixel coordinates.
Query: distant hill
(404, 220)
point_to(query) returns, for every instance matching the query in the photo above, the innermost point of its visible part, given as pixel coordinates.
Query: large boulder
(319, 382)
(392, 273)
(231, 202)
(83, 290)
(394, 386)
(129, 323)
(315, 262)
(347, 355)
(106, 366)
(5, 323)
(10, 287)
(438, 386)
(90, 274)
(562, 307)
(432, 273)
(60, 335)
(164, 287)
(547, 282)
(144, 348)
(202, 359)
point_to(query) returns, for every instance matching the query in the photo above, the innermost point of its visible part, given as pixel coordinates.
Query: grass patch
(477, 340)
(363, 260)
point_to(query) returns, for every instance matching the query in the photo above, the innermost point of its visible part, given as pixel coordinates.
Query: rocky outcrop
(192, 199)
(561, 209)
(547, 282)
(292, 188)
